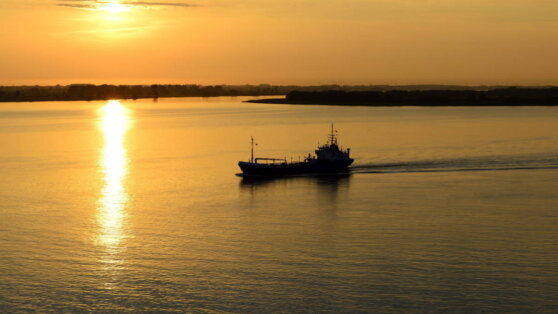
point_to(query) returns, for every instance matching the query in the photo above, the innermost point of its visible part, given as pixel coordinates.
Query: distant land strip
(509, 96)
(352, 95)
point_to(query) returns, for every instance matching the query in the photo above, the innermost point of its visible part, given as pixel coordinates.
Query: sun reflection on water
(114, 122)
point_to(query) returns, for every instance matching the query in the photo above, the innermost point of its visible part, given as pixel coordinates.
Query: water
(135, 206)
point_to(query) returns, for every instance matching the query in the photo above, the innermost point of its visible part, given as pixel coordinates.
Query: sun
(113, 7)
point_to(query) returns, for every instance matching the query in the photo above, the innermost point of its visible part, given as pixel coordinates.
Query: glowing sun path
(111, 214)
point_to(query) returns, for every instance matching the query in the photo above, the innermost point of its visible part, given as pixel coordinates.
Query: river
(136, 206)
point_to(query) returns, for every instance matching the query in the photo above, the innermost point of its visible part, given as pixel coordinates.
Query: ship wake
(492, 163)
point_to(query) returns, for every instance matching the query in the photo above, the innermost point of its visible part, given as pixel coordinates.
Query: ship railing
(271, 159)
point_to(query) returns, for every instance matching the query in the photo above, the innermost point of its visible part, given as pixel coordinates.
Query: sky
(470, 42)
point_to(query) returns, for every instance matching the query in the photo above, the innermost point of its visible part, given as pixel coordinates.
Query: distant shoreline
(90, 92)
(509, 97)
(338, 95)
(283, 101)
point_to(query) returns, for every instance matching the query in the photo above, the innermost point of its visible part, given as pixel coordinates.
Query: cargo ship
(329, 158)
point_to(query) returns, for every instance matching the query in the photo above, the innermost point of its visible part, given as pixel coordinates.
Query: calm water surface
(135, 206)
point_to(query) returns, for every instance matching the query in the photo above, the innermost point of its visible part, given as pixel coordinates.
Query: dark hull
(277, 170)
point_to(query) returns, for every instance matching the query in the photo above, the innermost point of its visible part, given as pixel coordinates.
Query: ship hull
(285, 169)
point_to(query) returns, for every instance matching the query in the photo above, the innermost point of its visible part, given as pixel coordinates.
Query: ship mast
(332, 138)
(252, 150)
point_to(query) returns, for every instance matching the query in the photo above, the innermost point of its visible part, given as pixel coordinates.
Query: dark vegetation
(509, 96)
(103, 92)
(361, 95)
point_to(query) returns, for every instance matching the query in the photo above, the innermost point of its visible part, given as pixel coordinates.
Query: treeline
(103, 92)
(510, 96)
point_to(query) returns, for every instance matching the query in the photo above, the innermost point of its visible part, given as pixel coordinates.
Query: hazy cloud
(79, 4)
(93, 4)
(147, 3)
(76, 5)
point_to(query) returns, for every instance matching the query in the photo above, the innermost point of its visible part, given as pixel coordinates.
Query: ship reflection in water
(114, 122)
(329, 187)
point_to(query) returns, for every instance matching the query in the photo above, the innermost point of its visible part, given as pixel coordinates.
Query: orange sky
(279, 41)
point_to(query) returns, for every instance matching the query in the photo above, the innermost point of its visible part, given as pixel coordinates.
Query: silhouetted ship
(329, 159)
